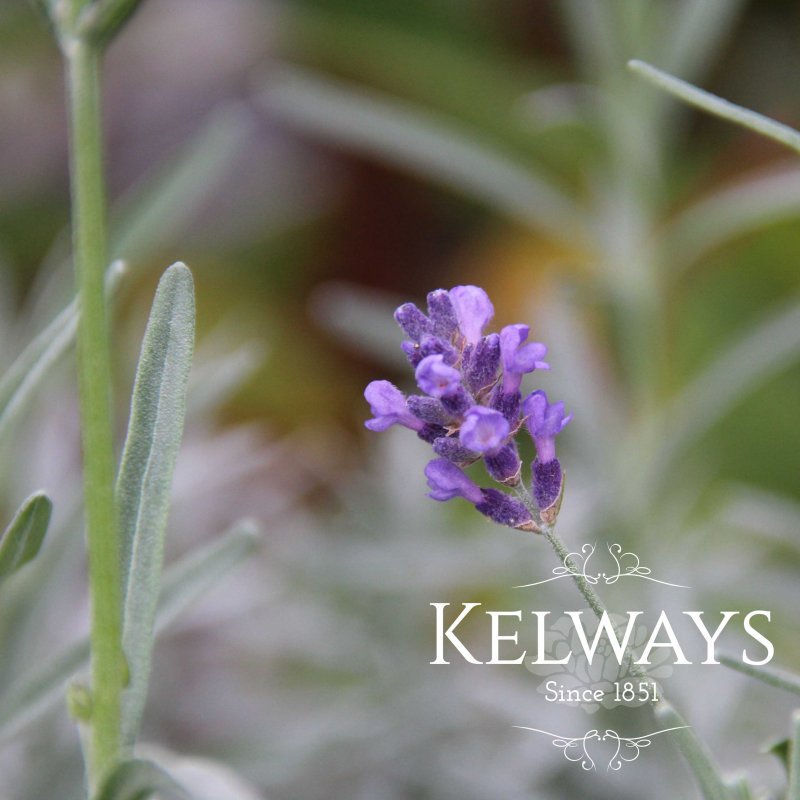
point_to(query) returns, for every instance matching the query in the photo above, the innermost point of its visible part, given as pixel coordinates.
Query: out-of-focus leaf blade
(184, 582)
(164, 202)
(137, 780)
(198, 571)
(732, 212)
(25, 533)
(759, 355)
(699, 759)
(143, 492)
(409, 137)
(26, 374)
(102, 21)
(778, 678)
(780, 750)
(719, 107)
(794, 760)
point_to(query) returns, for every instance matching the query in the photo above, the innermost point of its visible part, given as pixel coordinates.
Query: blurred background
(316, 163)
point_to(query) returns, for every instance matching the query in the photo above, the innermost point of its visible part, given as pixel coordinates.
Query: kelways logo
(596, 661)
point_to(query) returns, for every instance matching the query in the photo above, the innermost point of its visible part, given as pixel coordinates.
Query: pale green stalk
(94, 377)
(687, 741)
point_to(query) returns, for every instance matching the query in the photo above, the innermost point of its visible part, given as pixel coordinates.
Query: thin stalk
(687, 741)
(94, 377)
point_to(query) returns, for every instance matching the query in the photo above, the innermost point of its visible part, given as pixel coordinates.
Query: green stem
(717, 106)
(94, 376)
(687, 741)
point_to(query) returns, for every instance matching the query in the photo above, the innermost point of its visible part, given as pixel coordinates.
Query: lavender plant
(126, 509)
(473, 409)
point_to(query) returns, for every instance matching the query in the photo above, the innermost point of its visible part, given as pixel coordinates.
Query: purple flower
(505, 510)
(546, 480)
(388, 405)
(450, 447)
(545, 422)
(518, 358)
(447, 481)
(484, 430)
(413, 322)
(442, 314)
(484, 358)
(505, 465)
(473, 310)
(436, 378)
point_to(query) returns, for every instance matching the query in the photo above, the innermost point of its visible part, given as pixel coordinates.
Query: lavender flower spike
(545, 422)
(388, 405)
(447, 481)
(473, 310)
(484, 430)
(518, 358)
(436, 378)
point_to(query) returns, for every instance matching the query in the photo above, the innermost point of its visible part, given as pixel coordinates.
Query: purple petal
(473, 311)
(447, 481)
(545, 422)
(436, 378)
(388, 406)
(484, 430)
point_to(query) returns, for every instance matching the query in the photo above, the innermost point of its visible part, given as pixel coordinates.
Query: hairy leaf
(137, 780)
(25, 533)
(144, 484)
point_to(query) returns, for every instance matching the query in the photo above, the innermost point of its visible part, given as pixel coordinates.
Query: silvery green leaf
(200, 570)
(24, 535)
(137, 780)
(769, 347)
(160, 205)
(780, 679)
(31, 367)
(731, 212)
(144, 484)
(780, 750)
(103, 19)
(183, 583)
(794, 760)
(711, 785)
(415, 139)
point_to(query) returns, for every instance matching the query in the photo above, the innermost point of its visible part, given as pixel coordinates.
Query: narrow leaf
(414, 139)
(199, 571)
(694, 751)
(137, 780)
(769, 347)
(794, 759)
(778, 678)
(32, 366)
(706, 101)
(781, 751)
(101, 21)
(145, 478)
(732, 212)
(24, 535)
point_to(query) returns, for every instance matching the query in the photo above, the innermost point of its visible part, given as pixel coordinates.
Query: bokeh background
(316, 163)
